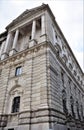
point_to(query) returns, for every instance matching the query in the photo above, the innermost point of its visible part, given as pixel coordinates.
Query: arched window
(16, 104)
(72, 106)
(77, 106)
(64, 100)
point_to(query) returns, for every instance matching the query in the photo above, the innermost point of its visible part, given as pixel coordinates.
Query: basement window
(16, 104)
(18, 71)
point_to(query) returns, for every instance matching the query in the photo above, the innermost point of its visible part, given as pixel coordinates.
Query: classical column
(15, 39)
(43, 29)
(43, 25)
(8, 41)
(2, 47)
(33, 29)
(13, 51)
(33, 41)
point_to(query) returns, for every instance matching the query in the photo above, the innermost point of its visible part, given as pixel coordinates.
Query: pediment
(26, 14)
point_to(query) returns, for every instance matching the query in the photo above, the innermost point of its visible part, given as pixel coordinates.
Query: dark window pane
(10, 129)
(77, 105)
(30, 37)
(16, 104)
(18, 71)
(64, 97)
(62, 77)
(72, 106)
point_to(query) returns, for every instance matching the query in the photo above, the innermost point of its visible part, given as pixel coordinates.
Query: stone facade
(38, 66)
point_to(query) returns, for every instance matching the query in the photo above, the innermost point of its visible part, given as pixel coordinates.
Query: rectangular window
(16, 104)
(62, 77)
(18, 71)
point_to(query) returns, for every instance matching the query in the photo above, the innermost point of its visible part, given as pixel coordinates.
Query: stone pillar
(33, 41)
(13, 51)
(8, 41)
(43, 28)
(33, 29)
(2, 47)
(43, 24)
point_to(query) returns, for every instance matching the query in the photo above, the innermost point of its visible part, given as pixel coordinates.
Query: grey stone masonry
(41, 82)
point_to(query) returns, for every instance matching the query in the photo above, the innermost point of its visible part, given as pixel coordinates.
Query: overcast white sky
(68, 14)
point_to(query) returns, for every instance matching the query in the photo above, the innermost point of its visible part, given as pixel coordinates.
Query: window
(56, 36)
(64, 102)
(69, 81)
(77, 105)
(16, 104)
(70, 66)
(62, 77)
(30, 37)
(10, 129)
(75, 73)
(81, 111)
(18, 71)
(72, 106)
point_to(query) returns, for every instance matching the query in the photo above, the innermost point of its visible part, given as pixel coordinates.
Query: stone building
(41, 82)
